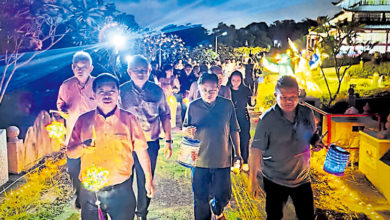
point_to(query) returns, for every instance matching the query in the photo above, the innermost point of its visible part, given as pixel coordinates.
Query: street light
(216, 40)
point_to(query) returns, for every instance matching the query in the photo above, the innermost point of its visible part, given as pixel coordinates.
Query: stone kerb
(3, 157)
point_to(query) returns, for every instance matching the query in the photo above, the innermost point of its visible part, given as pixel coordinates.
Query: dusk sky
(158, 13)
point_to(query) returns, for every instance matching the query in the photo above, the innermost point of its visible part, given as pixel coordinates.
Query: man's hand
(168, 150)
(238, 158)
(254, 189)
(149, 186)
(318, 146)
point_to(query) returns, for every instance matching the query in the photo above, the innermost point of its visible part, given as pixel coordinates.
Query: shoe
(245, 167)
(214, 216)
(221, 216)
(77, 204)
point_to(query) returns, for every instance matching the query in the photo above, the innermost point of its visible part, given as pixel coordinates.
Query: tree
(332, 38)
(28, 28)
(192, 35)
(161, 47)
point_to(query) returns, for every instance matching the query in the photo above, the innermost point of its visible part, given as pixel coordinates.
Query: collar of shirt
(279, 112)
(111, 113)
(136, 89)
(83, 86)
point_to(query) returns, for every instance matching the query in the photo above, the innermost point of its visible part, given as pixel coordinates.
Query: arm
(165, 117)
(61, 104)
(166, 124)
(75, 151)
(76, 147)
(144, 160)
(140, 147)
(236, 144)
(254, 167)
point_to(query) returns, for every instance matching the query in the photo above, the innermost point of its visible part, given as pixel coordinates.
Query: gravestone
(3, 157)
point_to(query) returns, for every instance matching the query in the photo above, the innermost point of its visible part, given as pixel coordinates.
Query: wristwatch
(169, 141)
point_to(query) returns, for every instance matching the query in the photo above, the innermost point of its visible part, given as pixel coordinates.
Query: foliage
(192, 35)
(203, 54)
(245, 52)
(259, 34)
(161, 47)
(43, 196)
(332, 37)
(28, 28)
(370, 69)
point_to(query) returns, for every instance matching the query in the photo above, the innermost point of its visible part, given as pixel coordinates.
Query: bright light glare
(129, 58)
(118, 41)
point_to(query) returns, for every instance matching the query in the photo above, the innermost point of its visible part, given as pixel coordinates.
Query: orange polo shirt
(115, 138)
(75, 100)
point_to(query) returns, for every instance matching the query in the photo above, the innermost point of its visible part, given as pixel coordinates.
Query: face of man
(287, 99)
(139, 73)
(106, 96)
(82, 70)
(209, 91)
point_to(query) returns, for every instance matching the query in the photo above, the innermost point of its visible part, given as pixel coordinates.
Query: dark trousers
(74, 171)
(142, 200)
(243, 121)
(210, 184)
(118, 201)
(277, 195)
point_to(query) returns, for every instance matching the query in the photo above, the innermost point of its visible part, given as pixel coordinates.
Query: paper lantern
(188, 152)
(336, 160)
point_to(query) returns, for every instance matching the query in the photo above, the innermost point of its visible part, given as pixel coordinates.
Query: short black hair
(286, 82)
(167, 66)
(104, 77)
(208, 77)
(188, 65)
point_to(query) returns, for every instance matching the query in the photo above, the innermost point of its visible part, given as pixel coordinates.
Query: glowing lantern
(56, 130)
(336, 160)
(172, 103)
(186, 101)
(94, 180)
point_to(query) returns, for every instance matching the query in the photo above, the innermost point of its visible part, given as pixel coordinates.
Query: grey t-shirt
(213, 126)
(285, 145)
(149, 106)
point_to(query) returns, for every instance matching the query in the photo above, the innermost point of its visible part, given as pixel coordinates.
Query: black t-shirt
(186, 81)
(241, 98)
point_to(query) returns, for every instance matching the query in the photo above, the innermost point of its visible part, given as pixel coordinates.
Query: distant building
(374, 15)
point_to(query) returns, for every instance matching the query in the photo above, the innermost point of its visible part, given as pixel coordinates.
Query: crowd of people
(118, 128)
